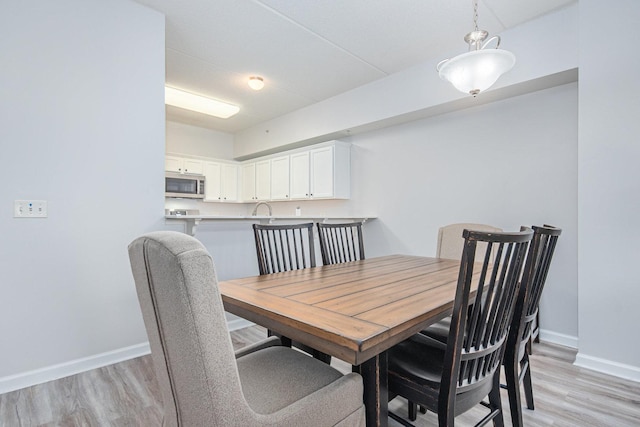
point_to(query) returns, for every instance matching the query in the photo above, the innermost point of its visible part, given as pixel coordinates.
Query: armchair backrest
(451, 242)
(184, 318)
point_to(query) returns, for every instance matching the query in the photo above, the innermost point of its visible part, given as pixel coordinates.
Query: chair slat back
(284, 247)
(478, 332)
(341, 242)
(538, 261)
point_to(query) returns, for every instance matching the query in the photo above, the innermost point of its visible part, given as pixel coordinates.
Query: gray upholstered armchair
(203, 382)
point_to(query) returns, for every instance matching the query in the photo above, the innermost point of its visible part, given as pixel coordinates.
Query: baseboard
(54, 372)
(557, 338)
(609, 367)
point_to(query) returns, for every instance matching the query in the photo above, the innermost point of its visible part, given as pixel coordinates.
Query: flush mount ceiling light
(200, 104)
(479, 68)
(256, 82)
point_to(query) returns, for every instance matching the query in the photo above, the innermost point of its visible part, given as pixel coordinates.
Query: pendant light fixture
(479, 68)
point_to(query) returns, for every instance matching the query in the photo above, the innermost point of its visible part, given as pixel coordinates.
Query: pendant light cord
(475, 15)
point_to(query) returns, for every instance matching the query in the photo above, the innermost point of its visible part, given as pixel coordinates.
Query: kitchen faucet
(255, 210)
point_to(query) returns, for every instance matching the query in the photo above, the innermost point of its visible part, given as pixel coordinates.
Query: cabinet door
(263, 180)
(229, 182)
(280, 178)
(173, 164)
(249, 182)
(213, 182)
(321, 172)
(195, 167)
(300, 175)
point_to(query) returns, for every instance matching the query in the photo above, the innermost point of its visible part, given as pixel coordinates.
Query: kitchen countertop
(192, 221)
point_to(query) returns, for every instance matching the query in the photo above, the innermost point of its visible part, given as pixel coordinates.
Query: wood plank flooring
(126, 394)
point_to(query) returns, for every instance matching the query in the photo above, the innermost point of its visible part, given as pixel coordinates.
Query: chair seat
(417, 358)
(439, 331)
(274, 378)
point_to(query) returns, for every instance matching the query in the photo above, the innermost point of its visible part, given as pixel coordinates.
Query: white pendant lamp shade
(475, 71)
(479, 68)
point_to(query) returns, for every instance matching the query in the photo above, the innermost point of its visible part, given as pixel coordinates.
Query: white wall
(507, 164)
(197, 141)
(609, 179)
(81, 126)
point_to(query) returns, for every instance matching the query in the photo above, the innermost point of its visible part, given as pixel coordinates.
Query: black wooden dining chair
(282, 248)
(451, 378)
(516, 359)
(341, 242)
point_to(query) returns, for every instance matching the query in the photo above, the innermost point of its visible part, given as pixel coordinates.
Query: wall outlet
(30, 209)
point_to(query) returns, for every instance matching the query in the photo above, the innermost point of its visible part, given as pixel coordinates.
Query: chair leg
(285, 341)
(526, 382)
(412, 410)
(513, 388)
(323, 357)
(494, 400)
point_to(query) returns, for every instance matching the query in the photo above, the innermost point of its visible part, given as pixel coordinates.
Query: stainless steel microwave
(183, 185)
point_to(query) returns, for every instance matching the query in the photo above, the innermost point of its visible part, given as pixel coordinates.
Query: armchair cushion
(276, 377)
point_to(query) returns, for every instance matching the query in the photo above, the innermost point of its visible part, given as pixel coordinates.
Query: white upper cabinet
(321, 183)
(221, 182)
(280, 178)
(173, 164)
(256, 181)
(248, 172)
(321, 173)
(182, 165)
(300, 175)
(229, 182)
(263, 180)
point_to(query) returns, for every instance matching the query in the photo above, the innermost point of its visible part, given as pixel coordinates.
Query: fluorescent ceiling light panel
(189, 101)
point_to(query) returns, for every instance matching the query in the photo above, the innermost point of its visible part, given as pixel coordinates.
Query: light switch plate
(30, 209)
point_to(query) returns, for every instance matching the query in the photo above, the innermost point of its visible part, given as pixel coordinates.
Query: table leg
(374, 375)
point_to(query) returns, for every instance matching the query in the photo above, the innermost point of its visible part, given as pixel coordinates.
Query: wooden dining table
(354, 311)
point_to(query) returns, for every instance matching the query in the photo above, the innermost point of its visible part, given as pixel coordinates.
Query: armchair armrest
(269, 342)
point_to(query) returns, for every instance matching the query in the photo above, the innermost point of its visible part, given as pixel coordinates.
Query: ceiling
(311, 50)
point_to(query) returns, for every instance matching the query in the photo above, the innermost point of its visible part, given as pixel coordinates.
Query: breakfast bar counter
(192, 221)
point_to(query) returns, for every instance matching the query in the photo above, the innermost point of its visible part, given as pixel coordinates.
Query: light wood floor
(126, 394)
